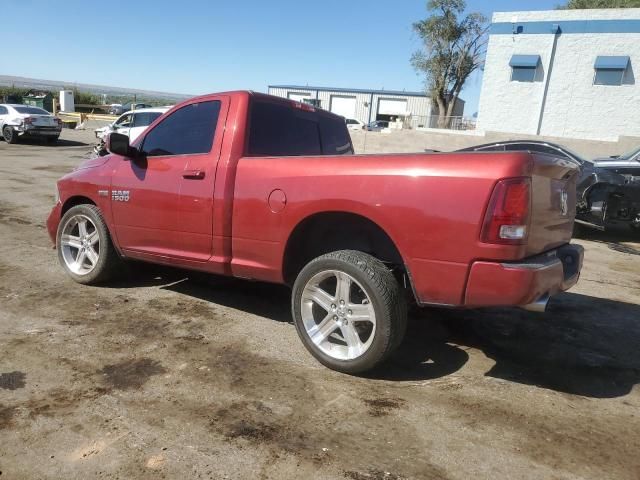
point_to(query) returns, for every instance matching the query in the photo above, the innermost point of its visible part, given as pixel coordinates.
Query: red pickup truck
(264, 188)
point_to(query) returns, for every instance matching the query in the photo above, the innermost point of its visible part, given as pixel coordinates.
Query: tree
(577, 4)
(453, 48)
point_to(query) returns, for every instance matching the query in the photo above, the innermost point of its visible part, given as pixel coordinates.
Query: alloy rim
(80, 243)
(338, 315)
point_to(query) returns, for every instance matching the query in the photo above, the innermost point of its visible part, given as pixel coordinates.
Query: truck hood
(93, 162)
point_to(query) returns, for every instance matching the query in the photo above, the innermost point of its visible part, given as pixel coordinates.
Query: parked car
(24, 121)
(264, 188)
(132, 123)
(377, 126)
(354, 124)
(117, 109)
(608, 189)
(609, 193)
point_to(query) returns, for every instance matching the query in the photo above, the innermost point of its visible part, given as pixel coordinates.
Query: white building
(563, 73)
(415, 109)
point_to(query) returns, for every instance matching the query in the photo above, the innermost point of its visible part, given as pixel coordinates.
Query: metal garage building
(414, 108)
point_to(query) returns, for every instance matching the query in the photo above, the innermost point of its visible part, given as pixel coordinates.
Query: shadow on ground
(614, 239)
(69, 143)
(60, 143)
(583, 345)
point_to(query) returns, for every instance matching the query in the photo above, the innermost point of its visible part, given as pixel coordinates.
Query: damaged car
(608, 190)
(609, 193)
(24, 121)
(131, 123)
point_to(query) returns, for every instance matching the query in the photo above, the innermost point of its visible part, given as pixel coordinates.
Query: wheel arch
(73, 201)
(328, 231)
(76, 200)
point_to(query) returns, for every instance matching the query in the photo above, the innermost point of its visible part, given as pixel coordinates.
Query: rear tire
(9, 134)
(349, 310)
(85, 249)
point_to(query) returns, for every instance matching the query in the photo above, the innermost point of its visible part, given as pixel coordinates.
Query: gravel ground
(171, 375)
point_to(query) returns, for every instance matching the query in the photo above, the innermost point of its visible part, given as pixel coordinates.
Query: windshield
(630, 155)
(31, 110)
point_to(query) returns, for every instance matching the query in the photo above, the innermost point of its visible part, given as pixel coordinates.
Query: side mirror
(119, 144)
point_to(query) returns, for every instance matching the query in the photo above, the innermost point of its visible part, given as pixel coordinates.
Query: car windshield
(31, 110)
(631, 154)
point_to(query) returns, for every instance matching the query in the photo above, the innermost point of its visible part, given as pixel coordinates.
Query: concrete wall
(574, 106)
(411, 141)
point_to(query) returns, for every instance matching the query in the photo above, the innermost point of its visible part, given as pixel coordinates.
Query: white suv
(132, 123)
(18, 121)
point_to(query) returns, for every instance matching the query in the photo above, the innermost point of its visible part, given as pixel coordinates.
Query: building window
(610, 70)
(524, 67)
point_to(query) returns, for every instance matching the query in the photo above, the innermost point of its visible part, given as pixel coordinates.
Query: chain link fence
(415, 122)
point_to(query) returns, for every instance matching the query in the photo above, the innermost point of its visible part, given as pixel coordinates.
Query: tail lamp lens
(507, 218)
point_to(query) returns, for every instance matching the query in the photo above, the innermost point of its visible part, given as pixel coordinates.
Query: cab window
(278, 129)
(189, 130)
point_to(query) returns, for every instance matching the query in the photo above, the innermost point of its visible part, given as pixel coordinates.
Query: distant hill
(55, 85)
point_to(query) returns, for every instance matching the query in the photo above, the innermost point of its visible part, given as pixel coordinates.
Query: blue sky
(205, 46)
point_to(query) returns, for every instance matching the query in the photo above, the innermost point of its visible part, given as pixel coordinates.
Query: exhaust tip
(539, 306)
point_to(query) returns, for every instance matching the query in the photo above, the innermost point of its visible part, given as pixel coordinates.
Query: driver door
(146, 195)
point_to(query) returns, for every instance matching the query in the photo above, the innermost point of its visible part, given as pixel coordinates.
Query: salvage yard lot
(167, 374)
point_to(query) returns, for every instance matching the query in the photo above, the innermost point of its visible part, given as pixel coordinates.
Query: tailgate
(553, 202)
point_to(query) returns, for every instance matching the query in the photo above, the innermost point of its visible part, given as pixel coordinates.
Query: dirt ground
(171, 375)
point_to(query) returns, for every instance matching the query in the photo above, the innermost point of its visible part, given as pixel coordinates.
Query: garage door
(343, 106)
(298, 97)
(388, 106)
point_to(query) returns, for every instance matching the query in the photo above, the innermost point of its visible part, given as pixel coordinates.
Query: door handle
(193, 174)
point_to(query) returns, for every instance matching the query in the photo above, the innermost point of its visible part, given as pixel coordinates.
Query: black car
(608, 190)
(377, 126)
(120, 109)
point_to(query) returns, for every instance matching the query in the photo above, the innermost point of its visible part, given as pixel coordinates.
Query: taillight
(28, 120)
(59, 121)
(507, 217)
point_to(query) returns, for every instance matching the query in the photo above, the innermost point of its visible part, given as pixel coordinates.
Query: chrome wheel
(338, 315)
(80, 244)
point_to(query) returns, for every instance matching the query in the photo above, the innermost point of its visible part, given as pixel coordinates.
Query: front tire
(349, 310)
(10, 135)
(84, 245)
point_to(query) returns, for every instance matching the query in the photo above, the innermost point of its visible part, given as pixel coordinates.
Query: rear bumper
(40, 131)
(525, 282)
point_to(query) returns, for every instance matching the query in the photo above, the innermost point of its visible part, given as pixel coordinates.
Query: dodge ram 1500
(265, 188)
